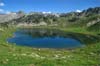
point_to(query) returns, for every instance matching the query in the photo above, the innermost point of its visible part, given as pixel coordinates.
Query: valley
(83, 26)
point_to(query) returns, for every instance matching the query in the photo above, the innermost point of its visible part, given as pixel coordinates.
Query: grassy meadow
(13, 55)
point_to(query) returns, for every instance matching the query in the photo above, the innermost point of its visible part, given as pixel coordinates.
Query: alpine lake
(50, 38)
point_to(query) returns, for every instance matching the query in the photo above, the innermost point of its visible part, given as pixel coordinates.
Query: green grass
(12, 55)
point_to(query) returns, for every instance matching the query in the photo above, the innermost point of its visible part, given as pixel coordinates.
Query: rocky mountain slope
(10, 16)
(7, 17)
(87, 18)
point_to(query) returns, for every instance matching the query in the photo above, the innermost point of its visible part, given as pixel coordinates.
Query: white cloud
(2, 4)
(49, 12)
(1, 10)
(46, 12)
(8, 12)
(78, 11)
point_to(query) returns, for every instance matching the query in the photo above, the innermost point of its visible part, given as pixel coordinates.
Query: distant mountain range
(87, 18)
(10, 16)
(4, 18)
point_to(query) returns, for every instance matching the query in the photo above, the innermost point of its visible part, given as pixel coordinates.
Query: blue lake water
(44, 39)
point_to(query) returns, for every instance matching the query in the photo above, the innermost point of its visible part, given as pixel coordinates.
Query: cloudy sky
(47, 5)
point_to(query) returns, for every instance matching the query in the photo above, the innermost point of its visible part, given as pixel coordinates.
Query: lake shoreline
(40, 56)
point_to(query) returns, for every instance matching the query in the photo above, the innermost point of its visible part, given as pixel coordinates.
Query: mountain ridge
(86, 18)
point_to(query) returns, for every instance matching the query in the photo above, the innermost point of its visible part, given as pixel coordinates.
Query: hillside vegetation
(86, 22)
(87, 18)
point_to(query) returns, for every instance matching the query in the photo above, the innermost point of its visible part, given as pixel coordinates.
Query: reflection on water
(50, 38)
